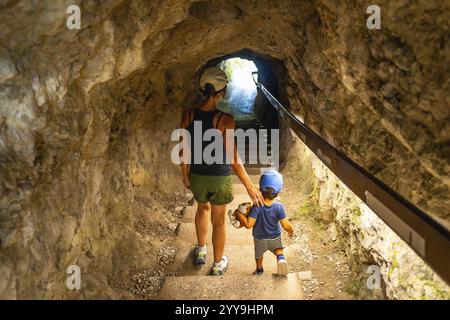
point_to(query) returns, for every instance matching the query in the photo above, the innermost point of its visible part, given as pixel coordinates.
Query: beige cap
(215, 76)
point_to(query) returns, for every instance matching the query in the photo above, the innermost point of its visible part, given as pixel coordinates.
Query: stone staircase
(243, 150)
(194, 282)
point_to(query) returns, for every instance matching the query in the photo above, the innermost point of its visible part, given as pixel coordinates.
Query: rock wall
(85, 162)
(90, 195)
(368, 242)
(86, 115)
(380, 96)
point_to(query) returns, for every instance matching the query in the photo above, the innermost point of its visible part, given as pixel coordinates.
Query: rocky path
(194, 282)
(318, 267)
(317, 254)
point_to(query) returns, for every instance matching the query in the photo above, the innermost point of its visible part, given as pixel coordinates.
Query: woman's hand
(186, 183)
(255, 195)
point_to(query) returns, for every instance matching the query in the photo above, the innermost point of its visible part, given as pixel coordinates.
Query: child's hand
(291, 233)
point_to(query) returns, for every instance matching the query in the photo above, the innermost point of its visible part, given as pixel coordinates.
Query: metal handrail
(428, 238)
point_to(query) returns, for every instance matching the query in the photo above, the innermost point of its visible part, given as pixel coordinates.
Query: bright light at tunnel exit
(240, 73)
(241, 92)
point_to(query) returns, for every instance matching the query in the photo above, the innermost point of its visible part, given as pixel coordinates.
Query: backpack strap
(191, 115)
(218, 120)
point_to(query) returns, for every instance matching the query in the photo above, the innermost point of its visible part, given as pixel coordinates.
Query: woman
(212, 184)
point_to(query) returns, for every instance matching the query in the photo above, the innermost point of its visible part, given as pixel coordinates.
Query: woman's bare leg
(201, 223)
(219, 230)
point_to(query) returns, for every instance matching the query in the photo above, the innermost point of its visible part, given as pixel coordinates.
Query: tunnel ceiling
(380, 96)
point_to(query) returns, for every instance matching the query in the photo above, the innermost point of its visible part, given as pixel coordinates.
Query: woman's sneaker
(221, 267)
(282, 266)
(199, 255)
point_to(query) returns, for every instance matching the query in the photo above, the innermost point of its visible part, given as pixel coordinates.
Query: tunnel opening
(241, 89)
(251, 110)
(271, 72)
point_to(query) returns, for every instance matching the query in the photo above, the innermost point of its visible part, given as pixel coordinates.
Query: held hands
(255, 195)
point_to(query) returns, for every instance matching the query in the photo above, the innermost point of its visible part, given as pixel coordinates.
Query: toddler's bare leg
(259, 263)
(278, 251)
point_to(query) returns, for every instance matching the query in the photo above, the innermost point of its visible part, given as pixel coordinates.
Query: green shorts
(214, 189)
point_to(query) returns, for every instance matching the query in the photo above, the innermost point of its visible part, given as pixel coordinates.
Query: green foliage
(354, 287)
(357, 287)
(308, 208)
(356, 211)
(304, 210)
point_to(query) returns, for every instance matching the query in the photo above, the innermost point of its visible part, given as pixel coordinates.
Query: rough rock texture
(86, 115)
(381, 96)
(367, 240)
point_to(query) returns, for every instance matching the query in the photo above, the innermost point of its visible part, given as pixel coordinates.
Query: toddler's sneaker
(282, 266)
(220, 268)
(258, 272)
(199, 255)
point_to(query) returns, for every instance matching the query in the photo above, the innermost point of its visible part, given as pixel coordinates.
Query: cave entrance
(249, 106)
(240, 100)
(241, 91)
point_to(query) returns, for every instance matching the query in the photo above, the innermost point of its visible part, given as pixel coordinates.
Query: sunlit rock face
(86, 115)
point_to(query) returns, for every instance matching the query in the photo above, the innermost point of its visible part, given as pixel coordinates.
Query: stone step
(247, 161)
(246, 151)
(250, 165)
(253, 177)
(240, 196)
(246, 145)
(255, 160)
(239, 188)
(257, 169)
(232, 287)
(252, 169)
(238, 199)
(186, 233)
(241, 260)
